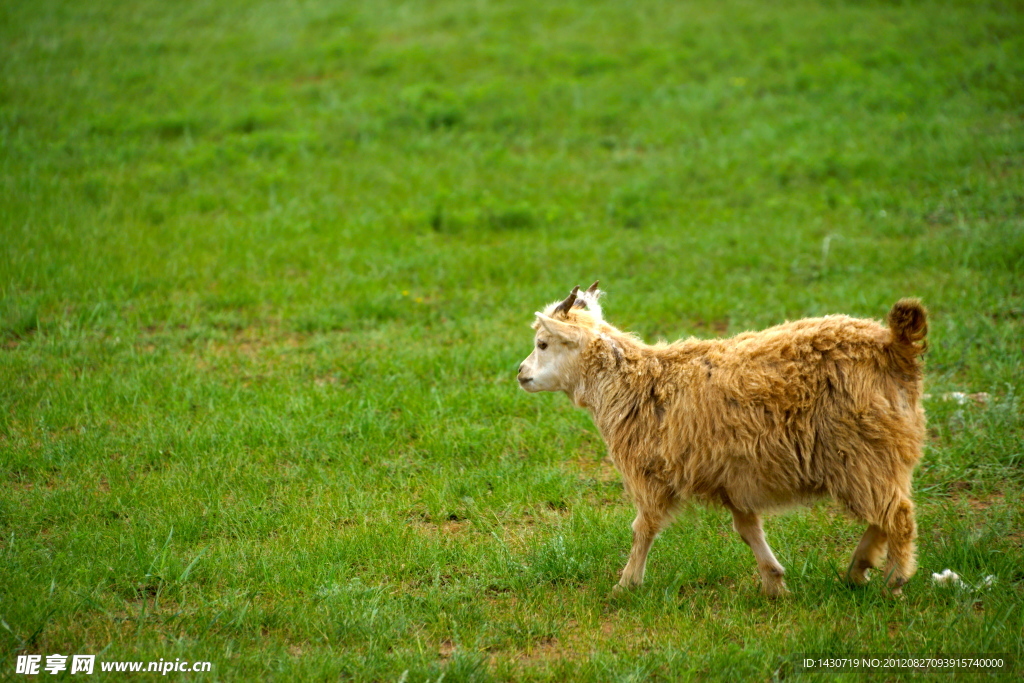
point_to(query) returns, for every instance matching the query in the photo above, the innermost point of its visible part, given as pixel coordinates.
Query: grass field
(267, 270)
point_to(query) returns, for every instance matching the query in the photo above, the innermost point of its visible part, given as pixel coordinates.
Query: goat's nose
(521, 367)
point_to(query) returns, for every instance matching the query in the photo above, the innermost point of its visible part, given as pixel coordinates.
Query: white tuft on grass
(960, 397)
(948, 577)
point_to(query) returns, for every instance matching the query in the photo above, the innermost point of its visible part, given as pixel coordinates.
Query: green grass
(267, 270)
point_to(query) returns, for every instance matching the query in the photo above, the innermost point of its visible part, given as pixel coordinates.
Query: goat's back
(774, 418)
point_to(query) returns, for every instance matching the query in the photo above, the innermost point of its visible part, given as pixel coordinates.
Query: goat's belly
(757, 500)
(751, 488)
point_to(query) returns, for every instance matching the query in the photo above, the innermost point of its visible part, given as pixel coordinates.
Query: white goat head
(562, 331)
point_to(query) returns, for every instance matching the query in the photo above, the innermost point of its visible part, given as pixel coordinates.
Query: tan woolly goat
(759, 422)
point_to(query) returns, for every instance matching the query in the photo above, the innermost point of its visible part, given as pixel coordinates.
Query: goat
(756, 423)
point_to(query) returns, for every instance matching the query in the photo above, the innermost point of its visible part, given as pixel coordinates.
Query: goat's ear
(558, 329)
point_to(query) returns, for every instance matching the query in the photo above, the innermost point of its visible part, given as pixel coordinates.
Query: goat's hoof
(857, 579)
(895, 588)
(624, 588)
(774, 591)
(857, 573)
(619, 592)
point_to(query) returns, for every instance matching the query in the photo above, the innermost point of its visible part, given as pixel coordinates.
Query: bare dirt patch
(981, 503)
(450, 526)
(252, 343)
(546, 648)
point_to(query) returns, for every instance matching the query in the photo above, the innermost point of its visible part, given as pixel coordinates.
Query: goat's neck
(616, 374)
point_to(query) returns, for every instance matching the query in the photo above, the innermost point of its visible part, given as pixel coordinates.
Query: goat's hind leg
(891, 523)
(868, 555)
(748, 526)
(901, 529)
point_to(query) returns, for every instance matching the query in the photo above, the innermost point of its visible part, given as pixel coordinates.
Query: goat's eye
(542, 345)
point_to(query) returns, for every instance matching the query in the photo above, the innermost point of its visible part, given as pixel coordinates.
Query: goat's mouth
(525, 380)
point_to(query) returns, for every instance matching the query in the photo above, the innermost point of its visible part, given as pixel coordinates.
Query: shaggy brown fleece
(762, 421)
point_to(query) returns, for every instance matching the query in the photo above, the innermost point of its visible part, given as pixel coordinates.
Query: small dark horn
(580, 303)
(569, 301)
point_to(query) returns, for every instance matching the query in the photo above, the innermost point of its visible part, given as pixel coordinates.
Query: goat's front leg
(748, 526)
(648, 522)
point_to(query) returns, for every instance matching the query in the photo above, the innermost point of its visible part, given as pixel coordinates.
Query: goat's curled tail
(908, 322)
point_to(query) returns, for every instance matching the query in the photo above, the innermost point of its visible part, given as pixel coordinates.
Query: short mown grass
(267, 271)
